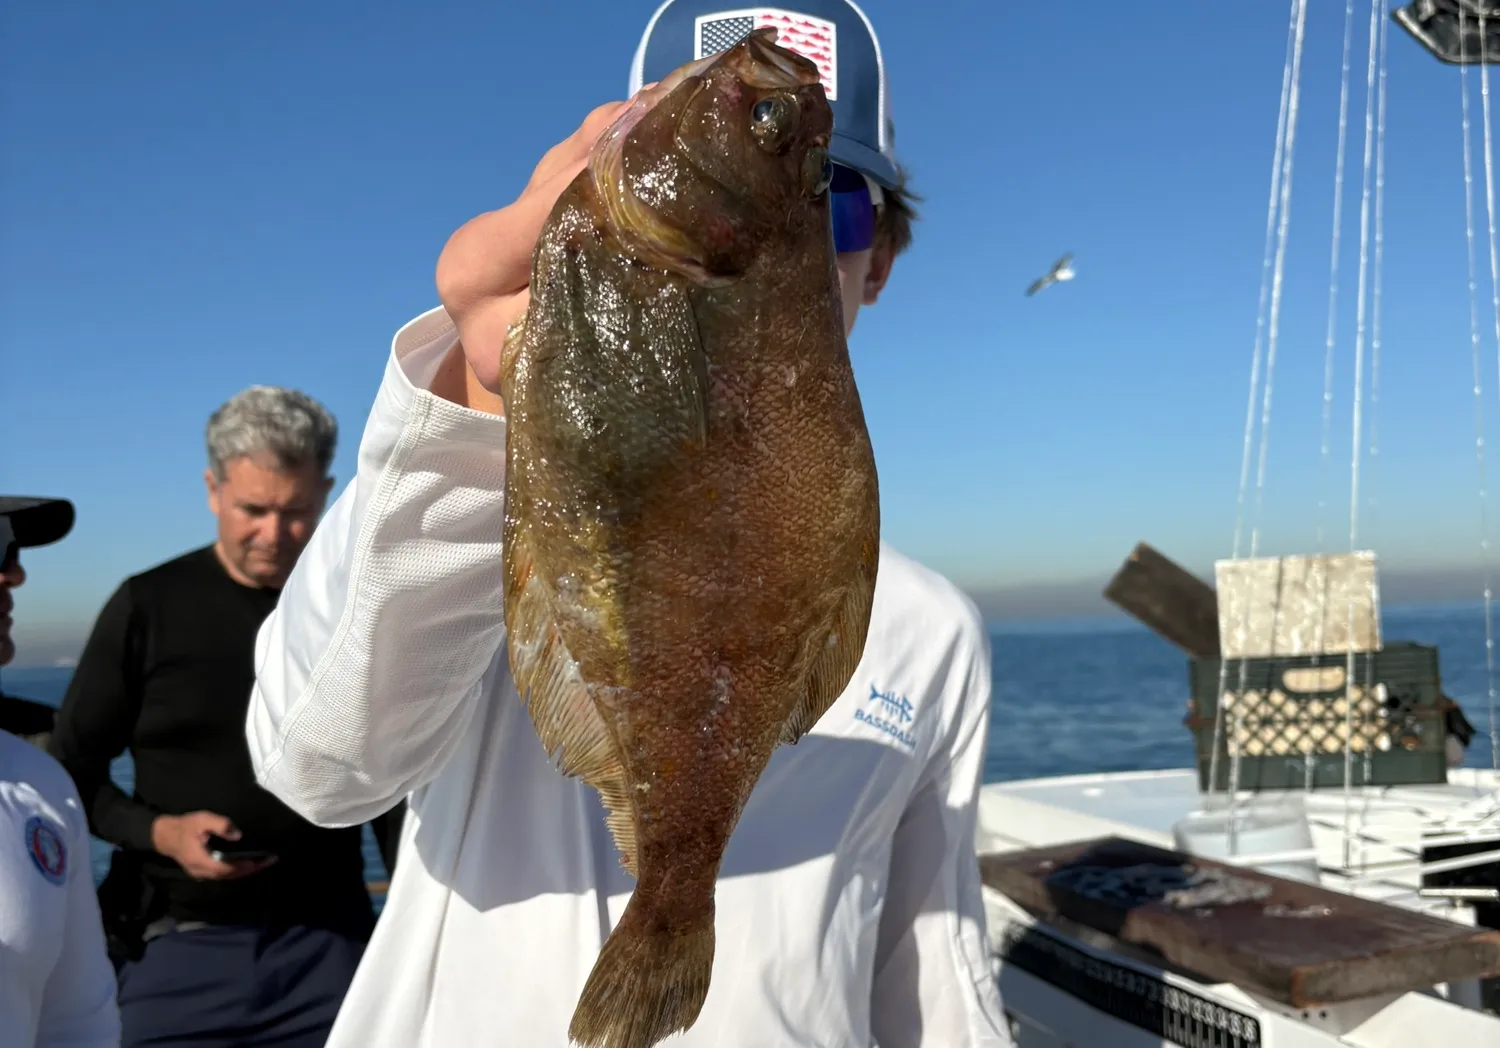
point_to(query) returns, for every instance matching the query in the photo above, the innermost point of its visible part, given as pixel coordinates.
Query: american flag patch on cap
(813, 38)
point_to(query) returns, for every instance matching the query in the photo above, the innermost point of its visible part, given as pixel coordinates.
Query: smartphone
(233, 851)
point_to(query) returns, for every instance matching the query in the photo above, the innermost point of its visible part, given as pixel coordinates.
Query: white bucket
(1262, 828)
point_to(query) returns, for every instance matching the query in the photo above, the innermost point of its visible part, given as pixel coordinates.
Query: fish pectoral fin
(613, 366)
(841, 648)
(562, 709)
(668, 330)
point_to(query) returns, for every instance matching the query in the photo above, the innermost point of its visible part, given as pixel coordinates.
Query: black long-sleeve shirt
(167, 674)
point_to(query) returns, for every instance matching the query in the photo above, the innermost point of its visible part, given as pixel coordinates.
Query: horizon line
(1106, 619)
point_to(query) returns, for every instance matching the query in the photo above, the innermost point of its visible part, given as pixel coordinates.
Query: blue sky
(197, 197)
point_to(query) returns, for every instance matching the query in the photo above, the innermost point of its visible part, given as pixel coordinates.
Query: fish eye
(773, 121)
(817, 172)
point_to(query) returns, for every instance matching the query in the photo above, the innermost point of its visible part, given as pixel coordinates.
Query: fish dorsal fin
(561, 707)
(840, 648)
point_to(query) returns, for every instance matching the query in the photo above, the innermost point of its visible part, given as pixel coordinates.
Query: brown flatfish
(691, 514)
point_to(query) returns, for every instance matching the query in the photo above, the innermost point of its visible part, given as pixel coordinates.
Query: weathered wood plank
(1169, 599)
(1293, 942)
(1298, 605)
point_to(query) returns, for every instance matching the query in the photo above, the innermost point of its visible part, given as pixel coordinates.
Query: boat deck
(1370, 842)
(1062, 983)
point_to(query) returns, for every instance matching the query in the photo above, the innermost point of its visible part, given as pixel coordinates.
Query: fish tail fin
(649, 982)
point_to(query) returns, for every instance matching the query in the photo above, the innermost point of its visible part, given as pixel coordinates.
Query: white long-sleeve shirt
(57, 986)
(848, 907)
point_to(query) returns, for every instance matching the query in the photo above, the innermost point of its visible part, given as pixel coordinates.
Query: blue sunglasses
(853, 209)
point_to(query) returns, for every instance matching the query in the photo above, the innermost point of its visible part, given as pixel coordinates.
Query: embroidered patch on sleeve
(48, 852)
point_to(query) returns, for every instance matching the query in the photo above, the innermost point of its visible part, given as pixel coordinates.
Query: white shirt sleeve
(79, 1009)
(934, 985)
(369, 670)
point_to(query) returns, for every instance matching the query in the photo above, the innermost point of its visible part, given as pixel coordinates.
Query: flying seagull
(1062, 269)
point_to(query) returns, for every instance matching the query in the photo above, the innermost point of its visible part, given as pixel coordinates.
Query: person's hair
(893, 220)
(266, 420)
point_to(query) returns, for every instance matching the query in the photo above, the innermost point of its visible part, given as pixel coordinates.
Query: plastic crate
(1294, 706)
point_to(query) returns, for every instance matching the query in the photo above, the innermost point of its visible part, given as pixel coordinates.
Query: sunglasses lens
(853, 211)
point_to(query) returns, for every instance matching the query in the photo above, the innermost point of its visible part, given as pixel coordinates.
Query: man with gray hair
(269, 451)
(233, 920)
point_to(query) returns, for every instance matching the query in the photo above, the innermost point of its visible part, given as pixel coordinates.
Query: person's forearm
(96, 721)
(120, 819)
(369, 668)
(113, 815)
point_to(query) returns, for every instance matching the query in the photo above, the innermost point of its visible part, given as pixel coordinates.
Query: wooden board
(1172, 601)
(1292, 942)
(1297, 605)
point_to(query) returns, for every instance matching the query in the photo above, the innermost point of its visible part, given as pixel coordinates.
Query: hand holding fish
(484, 271)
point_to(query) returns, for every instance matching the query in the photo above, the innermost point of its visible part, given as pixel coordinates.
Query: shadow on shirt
(826, 796)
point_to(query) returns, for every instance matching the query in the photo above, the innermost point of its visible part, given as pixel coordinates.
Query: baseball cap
(834, 34)
(33, 521)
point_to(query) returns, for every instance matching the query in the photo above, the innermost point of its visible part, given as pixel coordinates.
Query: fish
(691, 526)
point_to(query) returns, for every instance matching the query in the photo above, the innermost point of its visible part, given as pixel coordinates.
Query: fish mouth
(757, 63)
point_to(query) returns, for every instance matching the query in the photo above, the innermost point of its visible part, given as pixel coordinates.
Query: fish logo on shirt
(889, 713)
(48, 852)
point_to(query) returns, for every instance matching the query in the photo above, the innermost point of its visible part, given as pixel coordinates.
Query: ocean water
(1073, 697)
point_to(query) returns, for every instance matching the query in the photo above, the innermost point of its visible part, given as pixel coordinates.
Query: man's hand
(484, 272)
(184, 838)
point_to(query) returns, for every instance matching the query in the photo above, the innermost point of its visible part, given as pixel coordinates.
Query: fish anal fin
(621, 823)
(839, 651)
(561, 706)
